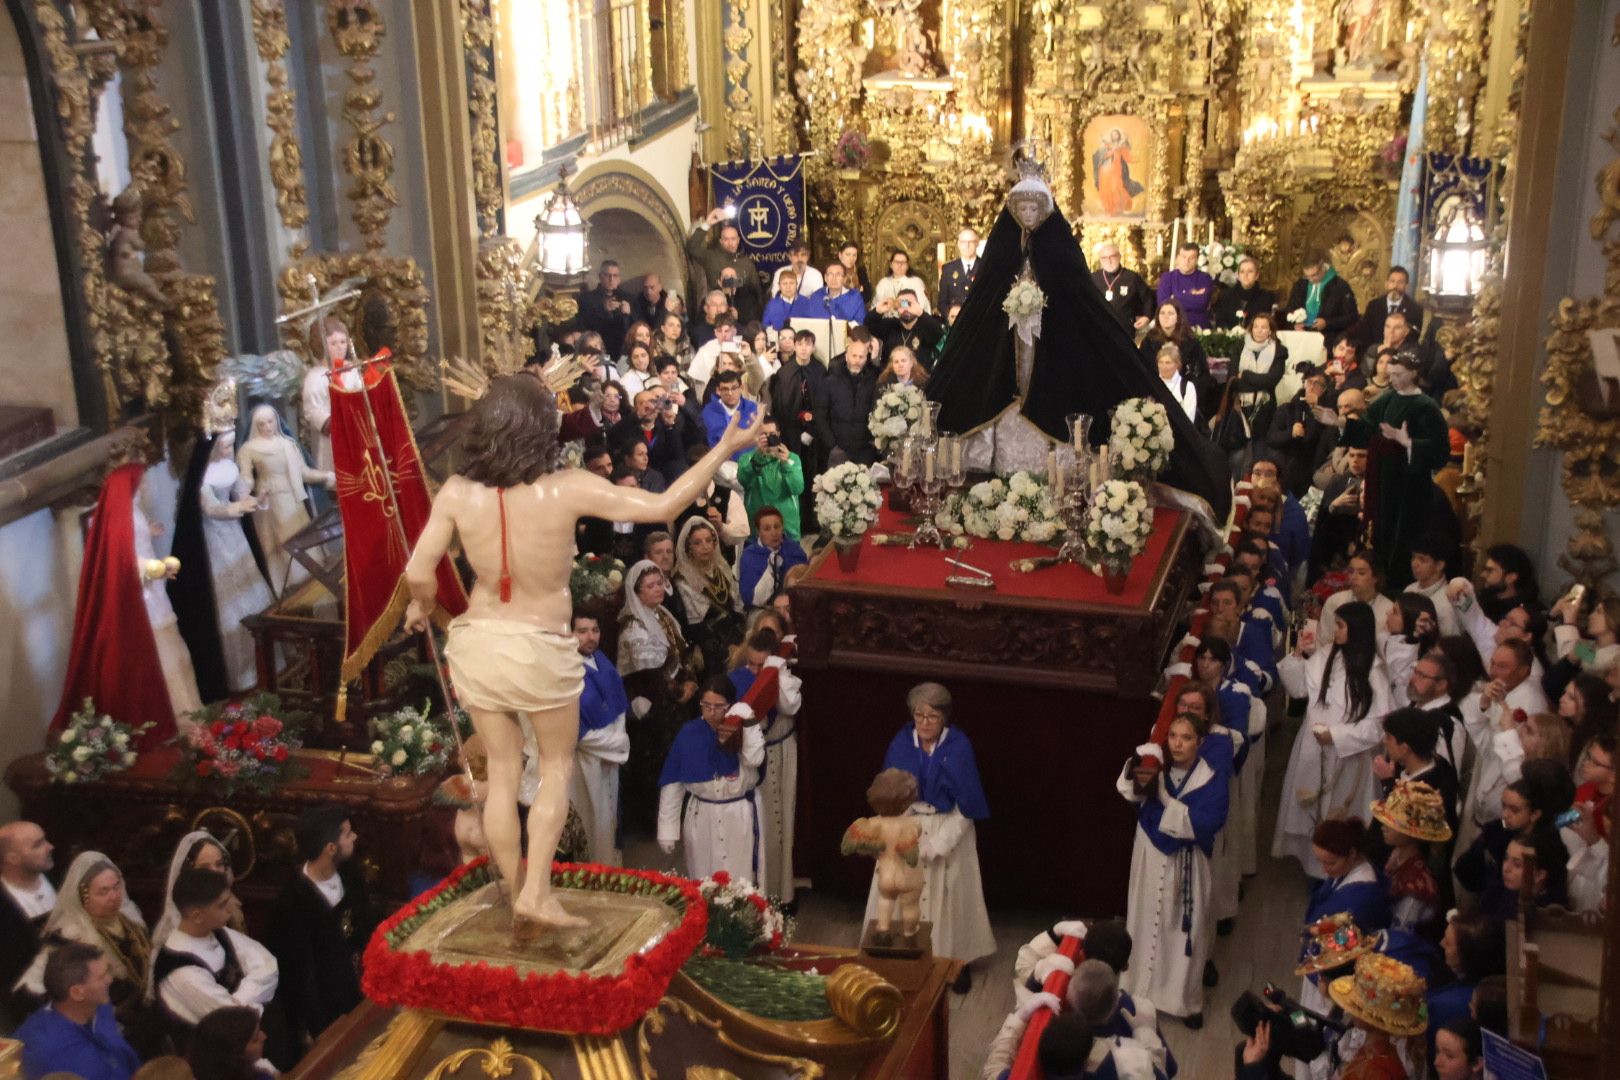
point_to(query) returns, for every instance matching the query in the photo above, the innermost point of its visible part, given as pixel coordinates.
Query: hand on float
(667, 846)
(1036, 1003)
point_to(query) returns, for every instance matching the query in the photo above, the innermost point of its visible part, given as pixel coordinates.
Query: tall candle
(1057, 478)
(1175, 237)
(956, 456)
(928, 465)
(1096, 476)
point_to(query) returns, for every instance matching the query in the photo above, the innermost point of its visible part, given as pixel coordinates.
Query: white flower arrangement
(1024, 303)
(1118, 521)
(847, 501)
(1024, 298)
(894, 414)
(409, 742)
(1296, 316)
(91, 746)
(1140, 438)
(1019, 507)
(572, 455)
(1220, 260)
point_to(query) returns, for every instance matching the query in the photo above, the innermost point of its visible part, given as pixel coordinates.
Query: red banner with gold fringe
(374, 451)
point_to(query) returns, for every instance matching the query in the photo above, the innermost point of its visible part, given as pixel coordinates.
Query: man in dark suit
(26, 899)
(1328, 301)
(320, 925)
(1126, 294)
(1371, 327)
(607, 308)
(956, 275)
(652, 301)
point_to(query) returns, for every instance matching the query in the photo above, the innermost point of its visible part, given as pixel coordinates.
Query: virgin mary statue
(1012, 382)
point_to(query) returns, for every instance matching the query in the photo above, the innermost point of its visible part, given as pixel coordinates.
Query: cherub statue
(891, 838)
(466, 791)
(126, 251)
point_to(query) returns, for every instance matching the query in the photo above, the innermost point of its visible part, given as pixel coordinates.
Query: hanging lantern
(562, 233)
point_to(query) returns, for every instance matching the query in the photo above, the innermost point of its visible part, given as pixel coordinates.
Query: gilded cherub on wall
(126, 251)
(891, 838)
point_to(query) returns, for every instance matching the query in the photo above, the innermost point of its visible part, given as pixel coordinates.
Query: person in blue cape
(603, 746)
(762, 571)
(1181, 808)
(1227, 750)
(779, 786)
(1351, 888)
(715, 771)
(1214, 666)
(950, 799)
(1255, 661)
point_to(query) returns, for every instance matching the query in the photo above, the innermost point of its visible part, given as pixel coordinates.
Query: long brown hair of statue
(511, 435)
(892, 792)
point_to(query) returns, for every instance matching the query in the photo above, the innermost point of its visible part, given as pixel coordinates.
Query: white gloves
(1036, 1002)
(640, 706)
(1048, 964)
(776, 662)
(1070, 928)
(667, 846)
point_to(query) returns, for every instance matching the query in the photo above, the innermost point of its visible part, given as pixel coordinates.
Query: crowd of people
(97, 990)
(1454, 759)
(1454, 753)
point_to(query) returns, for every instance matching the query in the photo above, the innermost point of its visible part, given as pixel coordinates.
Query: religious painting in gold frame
(1118, 151)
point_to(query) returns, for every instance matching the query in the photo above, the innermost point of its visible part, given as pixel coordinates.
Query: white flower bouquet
(1140, 438)
(894, 414)
(1019, 507)
(409, 742)
(1220, 260)
(1024, 303)
(1118, 522)
(1296, 316)
(847, 501)
(91, 746)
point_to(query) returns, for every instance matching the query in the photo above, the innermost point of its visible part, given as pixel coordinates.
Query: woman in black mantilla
(1084, 360)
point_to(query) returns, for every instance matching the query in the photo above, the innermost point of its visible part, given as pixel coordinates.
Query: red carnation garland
(577, 1004)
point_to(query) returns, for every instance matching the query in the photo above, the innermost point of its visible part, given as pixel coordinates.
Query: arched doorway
(639, 246)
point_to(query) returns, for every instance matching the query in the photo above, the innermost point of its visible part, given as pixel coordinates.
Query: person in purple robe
(1189, 286)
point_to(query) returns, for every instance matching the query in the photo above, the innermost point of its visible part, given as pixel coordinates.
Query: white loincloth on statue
(505, 665)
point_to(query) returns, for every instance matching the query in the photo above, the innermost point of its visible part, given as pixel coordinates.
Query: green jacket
(765, 481)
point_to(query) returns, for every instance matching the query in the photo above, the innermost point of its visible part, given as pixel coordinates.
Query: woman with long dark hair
(1330, 770)
(229, 1045)
(1170, 325)
(1414, 629)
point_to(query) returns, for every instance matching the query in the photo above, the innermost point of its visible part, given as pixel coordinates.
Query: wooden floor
(1262, 947)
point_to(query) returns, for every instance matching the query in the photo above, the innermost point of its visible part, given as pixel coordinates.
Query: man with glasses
(1429, 689)
(606, 308)
(1124, 291)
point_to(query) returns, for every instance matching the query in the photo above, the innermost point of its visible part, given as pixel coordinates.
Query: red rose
(205, 768)
(217, 727)
(720, 878)
(281, 753)
(267, 727)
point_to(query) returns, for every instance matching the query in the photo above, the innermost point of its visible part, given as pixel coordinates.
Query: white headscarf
(692, 580)
(169, 921)
(69, 919)
(654, 652)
